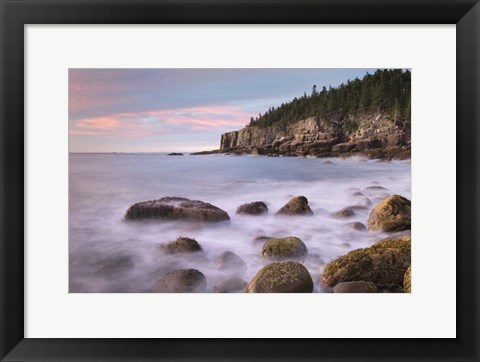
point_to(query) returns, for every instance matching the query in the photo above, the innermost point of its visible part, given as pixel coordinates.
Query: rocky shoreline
(382, 267)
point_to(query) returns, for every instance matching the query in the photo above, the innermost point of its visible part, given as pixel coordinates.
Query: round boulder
(234, 285)
(253, 208)
(357, 226)
(181, 281)
(176, 208)
(181, 245)
(355, 287)
(407, 280)
(296, 206)
(344, 213)
(383, 264)
(284, 248)
(391, 214)
(230, 261)
(281, 277)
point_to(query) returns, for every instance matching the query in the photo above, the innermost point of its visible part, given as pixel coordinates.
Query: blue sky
(167, 110)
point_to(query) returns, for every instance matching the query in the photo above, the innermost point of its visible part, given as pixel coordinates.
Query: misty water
(107, 254)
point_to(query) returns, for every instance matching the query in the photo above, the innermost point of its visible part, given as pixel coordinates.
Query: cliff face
(339, 133)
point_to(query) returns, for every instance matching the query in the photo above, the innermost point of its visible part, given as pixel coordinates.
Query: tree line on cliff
(385, 91)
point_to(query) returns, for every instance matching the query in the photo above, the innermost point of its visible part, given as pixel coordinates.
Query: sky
(179, 110)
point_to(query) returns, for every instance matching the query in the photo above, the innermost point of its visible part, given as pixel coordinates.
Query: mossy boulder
(296, 206)
(391, 214)
(284, 248)
(253, 208)
(407, 280)
(230, 261)
(281, 277)
(176, 208)
(355, 287)
(181, 281)
(181, 245)
(383, 264)
(234, 285)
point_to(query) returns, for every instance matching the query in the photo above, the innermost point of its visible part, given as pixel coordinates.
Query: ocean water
(107, 254)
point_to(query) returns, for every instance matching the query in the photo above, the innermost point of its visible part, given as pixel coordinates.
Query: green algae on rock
(391, 214)
(284, 248)
(281, 277)
(383, 264)
(175, 208)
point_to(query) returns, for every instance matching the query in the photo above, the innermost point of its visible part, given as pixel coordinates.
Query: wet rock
(328, 162)
(391, 214)
(355, 287)
(383, 264)
(181, 245)
(281, 277)
(364, 203)
(357, 226)
(175, 154)
(296, 206)
(375, 188)
(176, 208)
(234, 285)
(284, 248)
(358, 193)
(344, 213)
(253, 208)
(181, 281)
(230, 261)
(407, 280)
(115, 266)
(261, 239)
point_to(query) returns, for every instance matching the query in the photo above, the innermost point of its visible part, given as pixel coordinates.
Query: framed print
(239, 180)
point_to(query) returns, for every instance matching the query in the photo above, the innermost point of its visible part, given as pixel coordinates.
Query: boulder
(281, 277)
(234, 285)
(230, 261)
(365, 202)
(383, 264)
(355, 287)
(181, 245)
(357, 226)
(296, 206)
(181, 281)
(253, 208)
(343, 147)
(407, 280)
(391, 214)
(261, 239)
(344, 213)
(176, 208)
(284, 248)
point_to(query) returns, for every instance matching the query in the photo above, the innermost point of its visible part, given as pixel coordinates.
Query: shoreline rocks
(296, 206)
(407, 280)
(384, 263)
(233, 285)
(181, 281)
(281, 277)
(284, 248)
(391, 214)
(181, 245)
(176, 208)
(253, 208)
(229, 261)
(355, 287)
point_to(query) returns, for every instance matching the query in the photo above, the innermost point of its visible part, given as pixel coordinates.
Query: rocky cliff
(375, 134)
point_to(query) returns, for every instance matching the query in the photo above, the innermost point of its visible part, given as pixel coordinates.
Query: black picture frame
(15, 14)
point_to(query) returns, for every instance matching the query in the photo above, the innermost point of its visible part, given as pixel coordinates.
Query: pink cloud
(149, 123)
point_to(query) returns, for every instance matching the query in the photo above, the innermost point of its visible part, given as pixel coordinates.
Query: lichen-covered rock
(176, 208)
(284, 248)
(230, 261)
(253, 208)
(357, 226)
(281, 277)
(234, 285)
(181, 245)
(383, 264)
(355, 287)
(407, 280)
(296, 206)
(344, 213)
(391, 214)
(181, 281)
